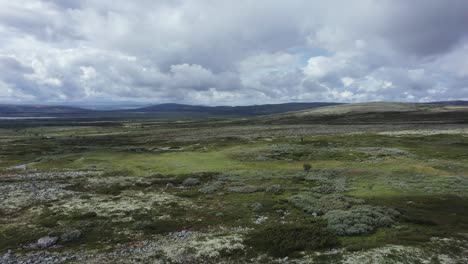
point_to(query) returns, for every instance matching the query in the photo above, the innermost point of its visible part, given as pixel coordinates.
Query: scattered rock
(7, 255)
(261, 219)
(20, 167)
(184, 234)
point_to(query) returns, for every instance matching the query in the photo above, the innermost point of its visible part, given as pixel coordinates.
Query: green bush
(212, 187)
(117, 173)
(246, 189)
(113, 189)
(320, 204)
(158, 226)
(191, 182)
(419, 221)
(48, 218)
(71, 235)
(281, 240)
(360, 220)
(83, 216)
(274, 189)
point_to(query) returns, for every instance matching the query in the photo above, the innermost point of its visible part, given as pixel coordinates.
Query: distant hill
(39, 109)
(458, 102)
(163, 111)
(378, 112)
(288, 113)
(239, 111)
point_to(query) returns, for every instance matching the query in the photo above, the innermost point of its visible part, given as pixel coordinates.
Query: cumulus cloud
(233, 52)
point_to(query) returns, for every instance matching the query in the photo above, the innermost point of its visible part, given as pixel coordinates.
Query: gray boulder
(47, 241)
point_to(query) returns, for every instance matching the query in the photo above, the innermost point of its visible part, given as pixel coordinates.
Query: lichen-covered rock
(184, 234)
(45, 242)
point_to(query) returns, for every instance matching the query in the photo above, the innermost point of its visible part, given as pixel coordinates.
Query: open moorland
(360, 183)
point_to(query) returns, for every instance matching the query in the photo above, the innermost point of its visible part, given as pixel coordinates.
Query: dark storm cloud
(16, 77)
(427, 27)
(233, 52)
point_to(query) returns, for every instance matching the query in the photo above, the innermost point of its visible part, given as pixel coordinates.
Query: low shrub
(274, 189)
(189, 193)
(191, 182)
(246, 189)
(158, 227)
(70, 236)
(83, 216)
(117, 173)
(419, 221)
(212, 187)
(48, 218)
(360, 220)
(281, 240)
(113, 189)
(315, 204)
(256, 207)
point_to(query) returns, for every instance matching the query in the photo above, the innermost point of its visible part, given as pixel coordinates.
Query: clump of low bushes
(191, 182)
(274, 189)
(246, 189)
(363, 219)
(212, 187)
(158, 226)
(320, 204)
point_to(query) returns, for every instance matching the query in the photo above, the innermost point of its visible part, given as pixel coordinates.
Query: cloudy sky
(220, 52)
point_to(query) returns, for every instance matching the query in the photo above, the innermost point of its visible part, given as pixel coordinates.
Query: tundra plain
(364, 183)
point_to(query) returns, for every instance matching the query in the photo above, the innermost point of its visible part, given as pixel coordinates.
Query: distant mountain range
(250, 110)
(163, 109)
(176, 110)
(39, 109)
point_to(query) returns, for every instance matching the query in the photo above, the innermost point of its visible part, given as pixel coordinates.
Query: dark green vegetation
(241, 189)
(281, 240)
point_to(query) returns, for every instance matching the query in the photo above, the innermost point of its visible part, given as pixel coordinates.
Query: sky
(226, 52)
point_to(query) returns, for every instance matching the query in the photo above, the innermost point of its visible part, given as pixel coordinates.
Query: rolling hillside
(379, 112)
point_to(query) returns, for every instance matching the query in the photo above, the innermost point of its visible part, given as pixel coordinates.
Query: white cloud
(233, 52)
